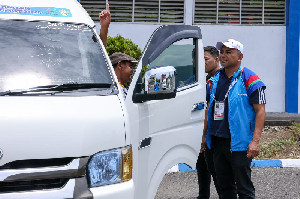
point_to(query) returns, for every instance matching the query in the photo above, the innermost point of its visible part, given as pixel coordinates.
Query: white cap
(231, 43)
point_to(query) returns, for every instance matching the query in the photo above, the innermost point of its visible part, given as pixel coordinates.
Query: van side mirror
(158, 83)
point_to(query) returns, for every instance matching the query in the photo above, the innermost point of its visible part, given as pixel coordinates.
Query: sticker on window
(36, 11)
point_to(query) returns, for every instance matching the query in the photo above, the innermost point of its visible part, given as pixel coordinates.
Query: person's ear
(240, 57)
(217, 59)
(119, 64)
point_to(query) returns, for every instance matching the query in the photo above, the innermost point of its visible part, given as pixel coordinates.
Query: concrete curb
(281, 119)
(272, 119)
(277, 163)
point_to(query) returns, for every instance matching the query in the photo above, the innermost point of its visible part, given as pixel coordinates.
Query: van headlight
(110, 167)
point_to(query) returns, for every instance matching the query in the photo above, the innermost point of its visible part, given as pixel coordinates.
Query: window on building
(121, 10)
(150, 11)
(246, 12)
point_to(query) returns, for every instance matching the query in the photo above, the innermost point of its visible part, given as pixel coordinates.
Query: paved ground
(272, 183)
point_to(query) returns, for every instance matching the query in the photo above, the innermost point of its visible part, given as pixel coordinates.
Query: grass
(280, 142)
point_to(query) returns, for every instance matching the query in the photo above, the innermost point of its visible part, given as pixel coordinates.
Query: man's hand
(203, 144)
(105, 17)
(253, 149)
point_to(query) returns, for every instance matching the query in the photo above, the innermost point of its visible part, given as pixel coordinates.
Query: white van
(66, 129)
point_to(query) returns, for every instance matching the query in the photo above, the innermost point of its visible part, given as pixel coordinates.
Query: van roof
(69, 11)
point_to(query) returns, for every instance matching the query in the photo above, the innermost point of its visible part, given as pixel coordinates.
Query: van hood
(55, 127)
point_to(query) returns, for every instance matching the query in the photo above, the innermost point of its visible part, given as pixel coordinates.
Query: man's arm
(260, 115)
(203, 143)
(105, 19)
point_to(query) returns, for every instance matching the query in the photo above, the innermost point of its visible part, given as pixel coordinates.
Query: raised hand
(105, 17)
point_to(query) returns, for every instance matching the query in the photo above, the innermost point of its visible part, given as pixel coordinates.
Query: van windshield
(35, 54)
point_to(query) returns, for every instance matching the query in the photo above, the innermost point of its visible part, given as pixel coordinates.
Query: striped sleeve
(261, 96)
(252, 81)
(258, 96)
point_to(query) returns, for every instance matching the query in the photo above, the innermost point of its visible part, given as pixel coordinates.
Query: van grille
(44, 174)
(6, 187)
(35, 163)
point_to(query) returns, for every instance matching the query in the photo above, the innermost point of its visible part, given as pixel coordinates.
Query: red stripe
(251, 79)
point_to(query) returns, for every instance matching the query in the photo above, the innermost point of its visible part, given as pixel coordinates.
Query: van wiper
(59, 87)
(70, 86)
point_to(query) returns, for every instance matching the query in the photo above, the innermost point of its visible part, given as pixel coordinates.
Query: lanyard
(231, 85)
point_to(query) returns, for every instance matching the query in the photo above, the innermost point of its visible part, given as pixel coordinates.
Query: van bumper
(115, 191)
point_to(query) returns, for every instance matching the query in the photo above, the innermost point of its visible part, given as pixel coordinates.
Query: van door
(166, 132)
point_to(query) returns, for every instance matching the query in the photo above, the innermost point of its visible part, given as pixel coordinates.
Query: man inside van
(123, 65)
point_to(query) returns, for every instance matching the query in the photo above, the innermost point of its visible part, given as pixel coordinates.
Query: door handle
(199, 106)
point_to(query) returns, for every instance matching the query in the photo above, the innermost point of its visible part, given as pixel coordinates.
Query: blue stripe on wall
(292, 56)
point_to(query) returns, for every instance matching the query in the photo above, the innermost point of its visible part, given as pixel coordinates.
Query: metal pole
(133, 8)
(194, 12)
(159, 11)
(217, 17)
(241, 2)
(263, 12)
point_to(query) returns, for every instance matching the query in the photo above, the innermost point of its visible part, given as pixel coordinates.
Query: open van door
(165, 106)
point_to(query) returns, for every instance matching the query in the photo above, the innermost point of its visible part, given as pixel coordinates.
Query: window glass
(180, 55)
(36, 54)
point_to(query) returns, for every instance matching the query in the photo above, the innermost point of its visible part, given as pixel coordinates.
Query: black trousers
(205, 169)
(233, 170)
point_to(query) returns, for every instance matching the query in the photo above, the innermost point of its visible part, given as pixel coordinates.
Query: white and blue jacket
(241, 114)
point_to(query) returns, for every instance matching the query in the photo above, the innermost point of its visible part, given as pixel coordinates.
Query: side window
(180, 55)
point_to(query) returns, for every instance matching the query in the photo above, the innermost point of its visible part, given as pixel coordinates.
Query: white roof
(69, 11)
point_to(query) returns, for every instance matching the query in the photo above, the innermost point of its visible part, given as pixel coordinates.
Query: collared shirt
(211, 75)
(124, 90)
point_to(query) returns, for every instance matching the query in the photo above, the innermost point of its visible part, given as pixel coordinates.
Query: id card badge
(219, 110)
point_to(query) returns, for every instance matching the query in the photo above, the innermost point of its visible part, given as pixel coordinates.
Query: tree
(120, 44)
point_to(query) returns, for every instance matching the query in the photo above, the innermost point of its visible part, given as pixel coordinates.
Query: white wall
(264, 51)
(138, 33)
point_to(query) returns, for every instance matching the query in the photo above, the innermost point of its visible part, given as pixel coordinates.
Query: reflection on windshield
(43, 53)
(21, 81)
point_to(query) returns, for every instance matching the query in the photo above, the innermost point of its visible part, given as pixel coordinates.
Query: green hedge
(120, 44)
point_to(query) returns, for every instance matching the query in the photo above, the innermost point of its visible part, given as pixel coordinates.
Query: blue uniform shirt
(220, 128)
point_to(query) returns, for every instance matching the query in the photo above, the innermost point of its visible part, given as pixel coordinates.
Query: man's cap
(118, 56)
(231, 43)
